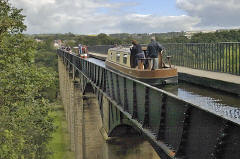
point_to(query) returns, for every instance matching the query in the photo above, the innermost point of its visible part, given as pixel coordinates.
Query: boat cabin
(119, 59)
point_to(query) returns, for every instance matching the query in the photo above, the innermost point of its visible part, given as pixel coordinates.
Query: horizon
(200, 31)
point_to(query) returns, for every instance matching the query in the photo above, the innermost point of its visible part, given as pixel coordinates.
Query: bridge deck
(222, 81)
(209, 74)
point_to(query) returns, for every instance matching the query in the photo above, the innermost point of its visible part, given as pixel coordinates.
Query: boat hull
(152, 77)
(160, 81)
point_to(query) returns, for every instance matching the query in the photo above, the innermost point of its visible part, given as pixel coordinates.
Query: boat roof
(121, 49)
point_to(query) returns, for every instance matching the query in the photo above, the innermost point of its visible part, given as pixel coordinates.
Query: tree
(25, 126)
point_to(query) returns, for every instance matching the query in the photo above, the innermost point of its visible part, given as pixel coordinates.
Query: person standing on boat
(136, 53)
(79, 49)
(152, 51)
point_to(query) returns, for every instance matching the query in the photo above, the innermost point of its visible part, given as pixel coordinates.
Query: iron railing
(176, 126)
(217, 57)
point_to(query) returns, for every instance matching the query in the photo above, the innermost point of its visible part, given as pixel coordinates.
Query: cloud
(213, 13)
(150, 23)
(77, 16)
(106, 16)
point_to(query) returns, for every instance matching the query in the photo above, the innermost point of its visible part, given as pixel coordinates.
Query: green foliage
(11, 21)
(219, 36)
(60, 142)
(73, 40)
(178, 39)
(46, 57)
(125, 38)
(25, 126)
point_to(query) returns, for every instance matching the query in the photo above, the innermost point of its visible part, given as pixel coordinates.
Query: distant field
(93, 35)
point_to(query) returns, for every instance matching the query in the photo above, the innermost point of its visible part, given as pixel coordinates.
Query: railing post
(186, 124)
(135, 109)
(221, 140)
(162, 125)
(238, 58)
(146, 113)
(118, 91)
(112, 86)
(125, 96)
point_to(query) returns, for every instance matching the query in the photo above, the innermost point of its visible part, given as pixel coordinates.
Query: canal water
(95, 147)
(218, 102)
(196, 94)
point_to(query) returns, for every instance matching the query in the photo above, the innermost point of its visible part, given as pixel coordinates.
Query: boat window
(125, 58)
(111, 55)
(118, 57)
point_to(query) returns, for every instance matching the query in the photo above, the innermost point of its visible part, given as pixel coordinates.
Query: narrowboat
(119, 59)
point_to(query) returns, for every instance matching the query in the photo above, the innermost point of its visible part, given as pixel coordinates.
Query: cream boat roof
(120, 49)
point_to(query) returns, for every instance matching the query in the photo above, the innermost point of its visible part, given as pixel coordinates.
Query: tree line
(25, 124)
(125, 38)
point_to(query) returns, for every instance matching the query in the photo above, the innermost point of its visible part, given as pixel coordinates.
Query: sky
(127, 16)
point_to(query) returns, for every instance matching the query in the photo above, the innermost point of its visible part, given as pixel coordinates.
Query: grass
(60, 143)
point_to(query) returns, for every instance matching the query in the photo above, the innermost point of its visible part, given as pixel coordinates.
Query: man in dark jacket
(136, 53)
(152, 51)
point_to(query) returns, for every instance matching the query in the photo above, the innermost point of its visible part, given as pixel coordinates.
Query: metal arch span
(176, 128)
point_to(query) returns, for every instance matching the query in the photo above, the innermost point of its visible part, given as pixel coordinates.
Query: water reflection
(223, 104)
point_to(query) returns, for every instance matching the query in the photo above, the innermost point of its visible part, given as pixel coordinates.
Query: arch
(88, 89)
(124, 130)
